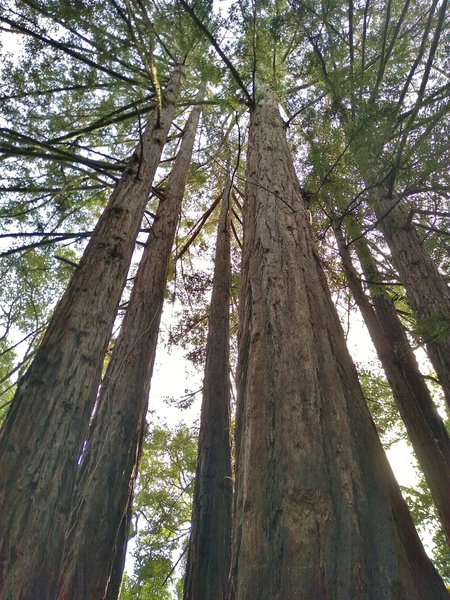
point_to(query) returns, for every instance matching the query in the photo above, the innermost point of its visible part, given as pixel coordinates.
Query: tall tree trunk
(209, 554)
(318, 512)
(428, 294)
(118, 565)
(109, 469)
(425, 428)
(41, 438)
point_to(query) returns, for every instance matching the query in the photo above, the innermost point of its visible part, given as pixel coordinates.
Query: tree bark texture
(428, 294)
(209, 553)
(44, 431)
(427, 432)
(120, 556)
(104, 489)
(318, 512)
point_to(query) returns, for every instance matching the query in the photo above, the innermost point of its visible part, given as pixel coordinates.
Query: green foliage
(161, 514)
(428, 524)
(419, 499)
(363, 115)
(75, 96)
(7, 360)
(381, 404)
(434, 328)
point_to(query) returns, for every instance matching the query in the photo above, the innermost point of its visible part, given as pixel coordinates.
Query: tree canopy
(363, 91)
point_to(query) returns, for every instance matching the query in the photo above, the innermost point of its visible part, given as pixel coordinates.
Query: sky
(174, 375)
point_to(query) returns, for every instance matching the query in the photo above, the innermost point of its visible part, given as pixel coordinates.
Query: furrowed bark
(425, 428)
(42, 437)
(318, 512)
(105, 485)
(428, 294)
(209, 553)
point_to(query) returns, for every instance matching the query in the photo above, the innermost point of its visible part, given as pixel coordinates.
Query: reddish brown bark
(425, 428)
(209, 554)
(44, 431)
(428, 294)
(105, 485)
(318, 512)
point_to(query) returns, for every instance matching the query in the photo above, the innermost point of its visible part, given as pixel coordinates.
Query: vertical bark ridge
(425, 428)
(317, 509)
(38, 457)
(210, 541)
(104, 490)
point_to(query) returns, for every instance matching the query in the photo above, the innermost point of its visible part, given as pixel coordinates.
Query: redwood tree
(428, 293)
(386, 124)
(38, 458)
(317, 508)
(425, 428)
(318, 511)
(209, 553)
(104, 489)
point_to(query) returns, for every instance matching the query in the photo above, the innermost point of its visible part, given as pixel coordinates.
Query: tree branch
(218, 49)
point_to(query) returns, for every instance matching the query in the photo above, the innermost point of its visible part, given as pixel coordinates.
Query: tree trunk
(428, 294)
(109, 469)
(318, 512)
(209, 554)
(425, 428)
(118, 565)
(44, 431)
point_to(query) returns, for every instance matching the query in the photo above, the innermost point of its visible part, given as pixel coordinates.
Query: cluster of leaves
(384, 411)
(428, 524)
(161, 514)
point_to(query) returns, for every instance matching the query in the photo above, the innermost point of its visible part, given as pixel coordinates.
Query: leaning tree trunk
(428, 294)
(209, 553)
(425, 428)
(41, 438)
(118, 564)
(108, 471)
(318, 512)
